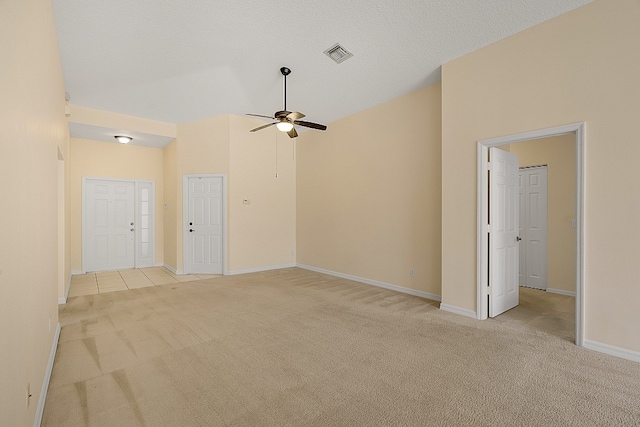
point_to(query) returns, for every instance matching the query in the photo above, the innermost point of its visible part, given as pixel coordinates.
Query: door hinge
(488, 228)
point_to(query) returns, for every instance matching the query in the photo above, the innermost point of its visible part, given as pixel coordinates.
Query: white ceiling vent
(338, 53)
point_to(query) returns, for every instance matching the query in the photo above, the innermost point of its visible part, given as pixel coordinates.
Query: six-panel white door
(503, 238)
(204, 226)
(533, 227)
(109, 229)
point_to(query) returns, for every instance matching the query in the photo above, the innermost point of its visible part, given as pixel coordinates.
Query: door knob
(132, 229)
(131, 223)
(518, 238)
(191, 230)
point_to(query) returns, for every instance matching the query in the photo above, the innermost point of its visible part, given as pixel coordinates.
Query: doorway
(118, 224)
(204, 208)
(483, 248)
(533, 226)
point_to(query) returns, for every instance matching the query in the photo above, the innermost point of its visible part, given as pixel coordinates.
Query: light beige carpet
(297, 348)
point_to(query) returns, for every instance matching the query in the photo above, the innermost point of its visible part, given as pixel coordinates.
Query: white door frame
(483, 219)
(185, 216)
(152, 219)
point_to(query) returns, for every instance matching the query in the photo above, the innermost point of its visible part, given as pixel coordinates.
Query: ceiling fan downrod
(285, 72)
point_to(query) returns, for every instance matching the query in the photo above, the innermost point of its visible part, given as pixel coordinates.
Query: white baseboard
(396, 288)
(561, 292)
(259, 269)
(66, 292)
(77, 272)
(47, 377)
(612, 350)
(158, 264)
(457, 310)
(171, 269)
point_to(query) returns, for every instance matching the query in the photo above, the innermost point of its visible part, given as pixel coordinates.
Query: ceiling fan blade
(310, 125)
(292, 133)
(262, 127)
(295, 116)
(260, 115)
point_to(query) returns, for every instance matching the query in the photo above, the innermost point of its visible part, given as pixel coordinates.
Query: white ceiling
(182, 60)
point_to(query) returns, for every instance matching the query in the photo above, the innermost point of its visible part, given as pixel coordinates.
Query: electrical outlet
(412, 273)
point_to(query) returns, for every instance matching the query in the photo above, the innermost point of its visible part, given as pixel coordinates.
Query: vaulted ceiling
(183, 60)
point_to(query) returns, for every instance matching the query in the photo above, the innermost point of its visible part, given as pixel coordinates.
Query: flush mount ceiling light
(123, 139)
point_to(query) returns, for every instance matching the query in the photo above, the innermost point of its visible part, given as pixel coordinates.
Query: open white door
(503, 236)
(204, 243)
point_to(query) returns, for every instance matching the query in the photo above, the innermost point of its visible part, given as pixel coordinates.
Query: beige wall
(369, 191)
(170, 205)
(581, 66)
(32, 126)
(64, 222)
(202, 148)
(108, 119)
(263, 232)
(112, 160)
(559, 155)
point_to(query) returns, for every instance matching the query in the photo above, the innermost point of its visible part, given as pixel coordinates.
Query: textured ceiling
(182, 60)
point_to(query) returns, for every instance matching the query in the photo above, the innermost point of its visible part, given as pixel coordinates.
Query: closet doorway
(532, 202)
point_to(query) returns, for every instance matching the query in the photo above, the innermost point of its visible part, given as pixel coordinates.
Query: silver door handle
(132, 229)
(518, 238)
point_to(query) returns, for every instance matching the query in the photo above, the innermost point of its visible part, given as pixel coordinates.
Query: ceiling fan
(284, 120)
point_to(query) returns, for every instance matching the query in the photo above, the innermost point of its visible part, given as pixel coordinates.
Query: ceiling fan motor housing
(282, 114)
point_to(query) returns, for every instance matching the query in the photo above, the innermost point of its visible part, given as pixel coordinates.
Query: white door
(204, 225)
(503, 236)
(533, 227)
(109, 229)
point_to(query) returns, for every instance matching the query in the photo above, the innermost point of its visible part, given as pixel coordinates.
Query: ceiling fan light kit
(284, 126)
(285, 120)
